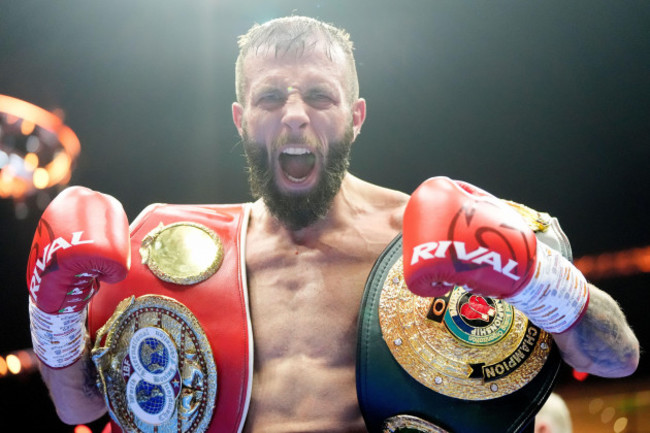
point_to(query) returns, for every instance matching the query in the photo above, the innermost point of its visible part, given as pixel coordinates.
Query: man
(553, 417)
(312, 238)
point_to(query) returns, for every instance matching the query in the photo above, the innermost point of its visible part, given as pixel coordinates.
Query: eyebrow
(277, 86)
(267, 88)
(315, 88)
(325, 88)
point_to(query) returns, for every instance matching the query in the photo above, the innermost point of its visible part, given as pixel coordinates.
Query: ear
(358, 115)
(237, 116)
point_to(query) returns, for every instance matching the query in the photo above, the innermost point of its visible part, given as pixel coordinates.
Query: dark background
(546, 103)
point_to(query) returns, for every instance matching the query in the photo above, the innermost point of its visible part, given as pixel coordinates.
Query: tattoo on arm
(603, 333)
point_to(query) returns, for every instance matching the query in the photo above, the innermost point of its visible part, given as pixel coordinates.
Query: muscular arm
(74, 392)
(601, 343)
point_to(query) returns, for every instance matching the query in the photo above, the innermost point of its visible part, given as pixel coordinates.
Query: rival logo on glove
(480, 256)
(43, 261)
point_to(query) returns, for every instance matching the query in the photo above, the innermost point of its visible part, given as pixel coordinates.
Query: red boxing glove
(82, 238)
(457, 234)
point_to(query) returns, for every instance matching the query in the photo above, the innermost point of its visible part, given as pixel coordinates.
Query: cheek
(332, 128)
(258, 128)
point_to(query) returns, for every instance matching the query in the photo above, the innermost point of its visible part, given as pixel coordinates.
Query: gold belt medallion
(156, 367)
(460, 345)
(182, 253)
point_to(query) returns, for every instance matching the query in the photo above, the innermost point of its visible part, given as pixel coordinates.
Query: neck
(338, 213)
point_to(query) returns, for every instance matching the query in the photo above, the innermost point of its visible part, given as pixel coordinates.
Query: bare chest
(305, 300)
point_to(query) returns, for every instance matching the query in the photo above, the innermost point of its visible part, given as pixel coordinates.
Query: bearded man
(294, 263)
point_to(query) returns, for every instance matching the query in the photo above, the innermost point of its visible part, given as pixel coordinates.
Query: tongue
(297, 166)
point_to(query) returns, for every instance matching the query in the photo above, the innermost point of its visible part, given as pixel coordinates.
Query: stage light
(607, 414)
(19, 362)
(27, 127)
(26, 361)
(580, 375)
(41, 178)
(620, 424)
(37, 151)
(13, 364)
(615, 264)
(596, 405)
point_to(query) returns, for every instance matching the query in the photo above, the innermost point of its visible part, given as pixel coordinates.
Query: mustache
(284, 139)
(297, 139)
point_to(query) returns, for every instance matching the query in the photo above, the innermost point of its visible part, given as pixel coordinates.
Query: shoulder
(385, 202)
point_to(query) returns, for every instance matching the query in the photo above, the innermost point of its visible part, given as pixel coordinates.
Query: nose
(295, 113)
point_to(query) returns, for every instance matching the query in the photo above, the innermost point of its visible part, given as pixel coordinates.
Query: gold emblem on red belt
(182, 253)
(460, 345)
(156, 367)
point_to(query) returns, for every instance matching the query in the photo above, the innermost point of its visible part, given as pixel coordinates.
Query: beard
(298, 210)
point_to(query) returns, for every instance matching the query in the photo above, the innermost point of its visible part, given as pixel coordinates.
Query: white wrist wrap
(557, 295)
(58, 339)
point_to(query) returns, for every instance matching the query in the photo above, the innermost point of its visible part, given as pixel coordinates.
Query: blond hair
(296, 34)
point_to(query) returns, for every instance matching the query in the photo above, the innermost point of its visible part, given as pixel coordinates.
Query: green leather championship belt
(461, 363)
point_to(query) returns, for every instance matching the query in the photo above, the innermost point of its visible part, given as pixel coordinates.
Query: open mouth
(297, 163)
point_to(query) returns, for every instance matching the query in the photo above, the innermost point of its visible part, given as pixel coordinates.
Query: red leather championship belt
(173, 341)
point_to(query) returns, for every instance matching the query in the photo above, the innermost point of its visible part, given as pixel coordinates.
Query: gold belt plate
(461, 345)
(182, 253)
(156, 368)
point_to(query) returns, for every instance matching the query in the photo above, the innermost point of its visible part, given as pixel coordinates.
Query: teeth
(296, 151)
(295, 179)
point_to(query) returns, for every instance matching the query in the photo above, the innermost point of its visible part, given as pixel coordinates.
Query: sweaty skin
(305, 317)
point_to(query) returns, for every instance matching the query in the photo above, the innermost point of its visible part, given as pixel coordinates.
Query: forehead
(270, 65)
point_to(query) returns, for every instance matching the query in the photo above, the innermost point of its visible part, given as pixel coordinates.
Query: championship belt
(173, 341)
(460, 363)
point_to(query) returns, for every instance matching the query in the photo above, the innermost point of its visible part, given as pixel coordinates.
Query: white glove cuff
(557, 295)
(58, 339)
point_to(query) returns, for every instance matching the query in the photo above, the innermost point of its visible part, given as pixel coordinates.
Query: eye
(320, 100)
(270, 100)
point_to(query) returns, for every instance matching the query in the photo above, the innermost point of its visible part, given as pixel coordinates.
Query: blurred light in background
(595, 410)
(3, 367)
(579, 375)
(13, 364)
(615, 264)
(37, 151)
(19, 362)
